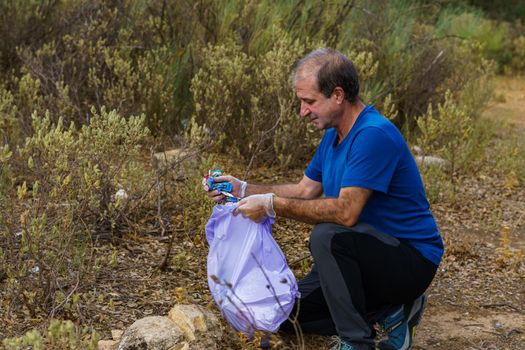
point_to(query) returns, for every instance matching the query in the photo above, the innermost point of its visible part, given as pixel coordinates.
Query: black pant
(359, 275)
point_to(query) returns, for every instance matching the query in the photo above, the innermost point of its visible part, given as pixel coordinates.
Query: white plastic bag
(248, 276)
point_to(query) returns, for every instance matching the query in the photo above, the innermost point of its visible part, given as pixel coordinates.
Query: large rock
(200, 326)
(187, 327)
(153, 333)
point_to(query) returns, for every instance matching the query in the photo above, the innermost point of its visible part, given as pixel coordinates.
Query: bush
(252, 115)
(448, 131)
(60, 335)
(65, 198)
(518, 58)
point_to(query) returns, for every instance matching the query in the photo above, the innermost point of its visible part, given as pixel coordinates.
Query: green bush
(66, 197)
(251, 115)
(140, 57)
(518, 57)
(60, 335)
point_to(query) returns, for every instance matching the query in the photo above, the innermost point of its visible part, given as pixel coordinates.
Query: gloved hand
(238, 190)
(256, 207)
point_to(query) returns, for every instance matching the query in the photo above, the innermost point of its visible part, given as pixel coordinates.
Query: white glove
(238, 187)
(256, 207)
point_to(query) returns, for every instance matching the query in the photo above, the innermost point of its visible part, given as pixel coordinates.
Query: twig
(165, 171)
(55, 309)
(159, 205)
(496, 305)
(241, 312)
(164, 263)
(295, 262)
(297, 328)
(259, 144)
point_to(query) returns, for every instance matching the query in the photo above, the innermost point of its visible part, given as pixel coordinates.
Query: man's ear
(339, 94)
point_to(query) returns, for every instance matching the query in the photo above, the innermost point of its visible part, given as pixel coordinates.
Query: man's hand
(238, 190)
(256, 207)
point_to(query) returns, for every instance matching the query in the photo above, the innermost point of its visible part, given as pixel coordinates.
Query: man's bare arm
(344, 210)
(305, 189)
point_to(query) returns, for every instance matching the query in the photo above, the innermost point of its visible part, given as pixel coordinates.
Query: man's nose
(304, 111)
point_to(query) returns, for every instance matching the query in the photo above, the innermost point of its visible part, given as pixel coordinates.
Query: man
(375, 243)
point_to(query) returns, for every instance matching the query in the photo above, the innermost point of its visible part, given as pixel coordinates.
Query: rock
(189, 319)
(187, 327)
(152, 333)
(107, 344)
(430, 161)
(417, 150)
(200, 326)
(116, 334)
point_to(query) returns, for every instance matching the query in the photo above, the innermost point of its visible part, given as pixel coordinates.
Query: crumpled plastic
(248, 276)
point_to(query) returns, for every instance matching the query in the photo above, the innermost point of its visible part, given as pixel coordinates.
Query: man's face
(322, 111)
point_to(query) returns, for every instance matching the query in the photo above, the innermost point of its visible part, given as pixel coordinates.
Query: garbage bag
(248, 276)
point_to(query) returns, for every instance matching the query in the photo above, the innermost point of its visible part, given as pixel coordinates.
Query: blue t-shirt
(374, 155)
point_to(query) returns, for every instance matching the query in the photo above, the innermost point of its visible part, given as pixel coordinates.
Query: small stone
(121, 194)
(498, 325)
(116, 334)
(107, 344)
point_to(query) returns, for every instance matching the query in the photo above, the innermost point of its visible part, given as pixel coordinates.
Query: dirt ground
(473, 304)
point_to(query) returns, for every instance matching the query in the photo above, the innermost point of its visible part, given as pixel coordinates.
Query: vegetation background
(96, 231)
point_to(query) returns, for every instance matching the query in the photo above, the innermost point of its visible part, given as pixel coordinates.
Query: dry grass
(508, 104)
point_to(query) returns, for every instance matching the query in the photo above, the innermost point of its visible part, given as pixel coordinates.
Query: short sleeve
(314, 169)
(372, 161)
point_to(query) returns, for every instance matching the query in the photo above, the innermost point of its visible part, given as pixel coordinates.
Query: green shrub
(472, 25)
(518, 54)
(60, 335)
(66, 197)
(90, 67)
(140, 57)
(445, 132)
(252, 115)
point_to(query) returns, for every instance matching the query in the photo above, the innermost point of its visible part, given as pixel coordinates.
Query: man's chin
(319, 126)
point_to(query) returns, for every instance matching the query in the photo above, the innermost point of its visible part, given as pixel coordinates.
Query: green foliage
(518, 57)
(25, 23)
(198, 206)
(251, 115)
(60, 335)
(446, 133)
(5, 172)
(508, 9)
(472, 25)
(66, 196)
(140, 57)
